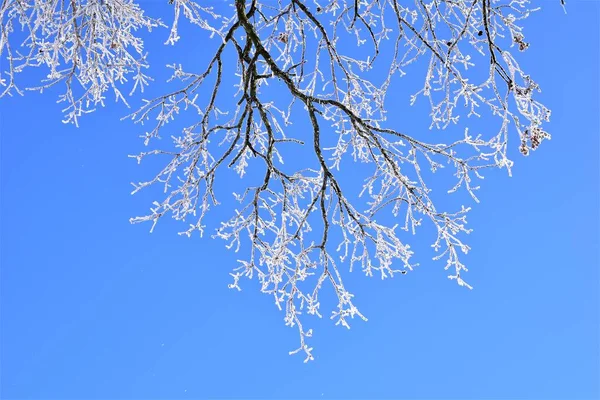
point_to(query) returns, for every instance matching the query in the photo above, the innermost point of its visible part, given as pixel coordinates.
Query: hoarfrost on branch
(298, 227)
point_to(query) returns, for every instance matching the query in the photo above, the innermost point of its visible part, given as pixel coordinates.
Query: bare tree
(320, 57)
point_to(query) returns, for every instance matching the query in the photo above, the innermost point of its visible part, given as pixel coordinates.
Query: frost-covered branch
(331, 65)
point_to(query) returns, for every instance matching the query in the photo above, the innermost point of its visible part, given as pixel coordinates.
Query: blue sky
(93, 307)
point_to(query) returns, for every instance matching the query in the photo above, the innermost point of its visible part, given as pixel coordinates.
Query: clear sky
(93, 307)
